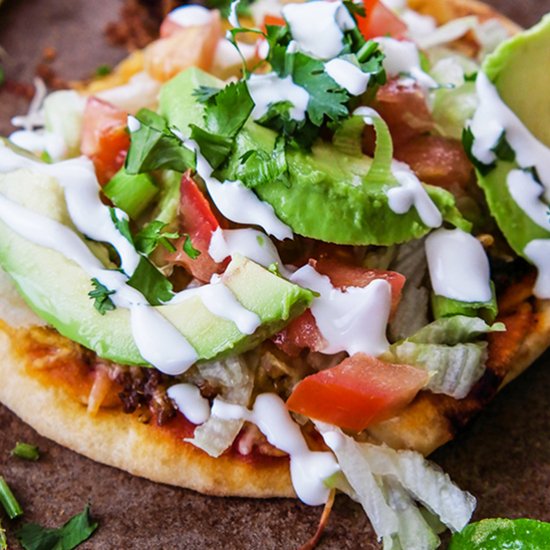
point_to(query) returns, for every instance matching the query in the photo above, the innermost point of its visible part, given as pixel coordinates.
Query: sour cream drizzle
(402, 58)
(250, 243)
(238, 203)
(492, 118)
(190, 402)
(458, 265)
(352, 320)
(308, 469)
(318, 27)
(528, 193)
(220, 301)
(266, 89)
(538, 251)
(348, 76)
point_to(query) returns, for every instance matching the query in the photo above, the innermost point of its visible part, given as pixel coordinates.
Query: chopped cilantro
(468, 142)
(258, 167)
(156, 288)
(8, 500)
(189, 249)
(103, 70)
(153, 235)
(26, 451)
(356, 9)
(122, 223)
(472, 77)
(225, 114)
(100, 295)
(77, 530)
(154, 146)
(204, 93)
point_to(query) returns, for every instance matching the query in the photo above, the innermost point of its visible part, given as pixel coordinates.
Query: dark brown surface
(504, 458)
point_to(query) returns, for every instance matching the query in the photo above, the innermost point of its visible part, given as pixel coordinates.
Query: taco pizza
(283, 250)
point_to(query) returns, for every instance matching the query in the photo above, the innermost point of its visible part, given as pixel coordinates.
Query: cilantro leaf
(225, 114)
(100, 295)
(355, 9)
(189, 249)
(215, 148)
(259, 167)
(3, 538)
(77, 530)
(156, 288)
(204, 93)
(122, 223)
(154, 146)
(326, 98)
(153, 235)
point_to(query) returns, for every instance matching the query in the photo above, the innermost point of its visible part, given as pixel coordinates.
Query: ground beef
(144, 390)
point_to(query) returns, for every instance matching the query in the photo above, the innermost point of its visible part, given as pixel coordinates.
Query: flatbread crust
(120, 440)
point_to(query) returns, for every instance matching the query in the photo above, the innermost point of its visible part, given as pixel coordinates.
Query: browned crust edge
(119, 440)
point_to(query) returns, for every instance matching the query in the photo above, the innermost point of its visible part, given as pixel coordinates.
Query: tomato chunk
(104, 137)
(380, 21)
(182, 48)
(360, 391)
(403, 106)
(199, 222)
(303, 332)
(438, 161)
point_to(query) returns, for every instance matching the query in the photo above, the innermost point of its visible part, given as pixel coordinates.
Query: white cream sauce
(403, 58)
(492, 118)
(250, 243)
(267, 89)
(220, 301)
(352, 320)
(348, 76)
(308, 469)
(538, 251)
(190, 16)
(190, 402)
(458, 265)
(238, 203)
(318, 27)
(528, 193)
(412, 193)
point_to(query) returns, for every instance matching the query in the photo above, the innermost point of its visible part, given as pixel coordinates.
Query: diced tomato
(299, 334)
(344, 275)
(183, 48)
(438, 161)
(360, 391)
(303, 332)
(274, 21)
(104, 137)
(403, 107)
(380, 21)
(199, 222)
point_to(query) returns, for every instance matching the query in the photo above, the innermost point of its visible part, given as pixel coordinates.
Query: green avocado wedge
(519, 70)
(328, 194)
(498, 534)
(57, 289)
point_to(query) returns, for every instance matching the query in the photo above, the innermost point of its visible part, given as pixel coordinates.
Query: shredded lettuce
(449, 32)
(412, 312)
(450, 351)
(235, 379)
(389, 484)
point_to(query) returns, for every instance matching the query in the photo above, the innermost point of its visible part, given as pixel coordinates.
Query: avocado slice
(518, 69)
(328, 195)
(57, 289)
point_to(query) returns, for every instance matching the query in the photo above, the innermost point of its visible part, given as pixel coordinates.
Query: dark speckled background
(503, 458)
